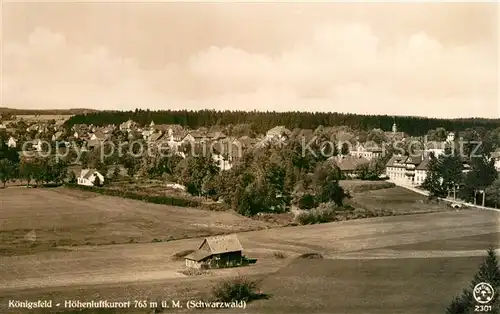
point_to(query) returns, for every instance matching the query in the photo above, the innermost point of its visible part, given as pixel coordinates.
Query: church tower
(394, 127)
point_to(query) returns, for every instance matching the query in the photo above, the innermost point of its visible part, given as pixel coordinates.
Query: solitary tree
(482, 175)
(450, 170)
(27, 170)
(326, 184)
(7, 170)
(115, 174)
(97, 181)
(493, 192)
(432, 182)
(72, 178)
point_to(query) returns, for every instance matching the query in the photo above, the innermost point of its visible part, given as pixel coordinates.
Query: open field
(412, 285)
(375, 265)
(397, 199)
(363, 186)
(362, 258)
(40, 118)
(48, 117)
(34, 220)
(476, 242)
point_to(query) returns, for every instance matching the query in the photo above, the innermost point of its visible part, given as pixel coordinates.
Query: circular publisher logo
(483, 293)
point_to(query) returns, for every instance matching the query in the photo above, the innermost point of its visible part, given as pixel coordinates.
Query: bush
(155, 199)
(316, 216)
(236, 289)
(307, 201)
(311, 256)
(214, 206)
(372, 186)
(194, 272)
(279, 255)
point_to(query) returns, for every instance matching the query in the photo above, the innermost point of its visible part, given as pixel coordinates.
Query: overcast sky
(434, 59)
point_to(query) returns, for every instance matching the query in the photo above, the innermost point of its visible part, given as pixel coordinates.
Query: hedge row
(163, 200)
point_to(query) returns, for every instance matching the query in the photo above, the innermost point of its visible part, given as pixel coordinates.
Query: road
(450, 200)
(365, 238)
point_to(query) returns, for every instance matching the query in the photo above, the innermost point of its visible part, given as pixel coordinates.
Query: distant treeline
(40, 112)
(263, 121)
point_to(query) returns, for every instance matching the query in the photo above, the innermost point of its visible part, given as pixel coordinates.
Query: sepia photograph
(249, 157)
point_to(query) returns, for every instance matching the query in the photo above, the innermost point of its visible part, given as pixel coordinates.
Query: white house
(11, 142)
(279, 133)
(38, 145)
(222, 162)
(436, 148)
(88, 177)
(421, 171)
(496, 157)
(57, 136)
(368, 151)
(451, 137)
(396, 168)
(128, 126)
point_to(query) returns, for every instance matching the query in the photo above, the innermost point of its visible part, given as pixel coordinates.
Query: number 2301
(482, 308)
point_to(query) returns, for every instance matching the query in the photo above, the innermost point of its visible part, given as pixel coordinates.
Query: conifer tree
(489, 272)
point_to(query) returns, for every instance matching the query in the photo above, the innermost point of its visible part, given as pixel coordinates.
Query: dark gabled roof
(155, 137)
(414, 160)
(89, 173)
(350, 163)
(198, 255)
(196, 134)
(216, 135)
(396, 159)
(424, 165)
(176, 128)
(223, 244)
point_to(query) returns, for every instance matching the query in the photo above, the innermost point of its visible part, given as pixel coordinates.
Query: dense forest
(263, 121)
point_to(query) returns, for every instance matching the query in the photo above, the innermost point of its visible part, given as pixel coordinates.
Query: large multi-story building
(407, 170)
(396, 167)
